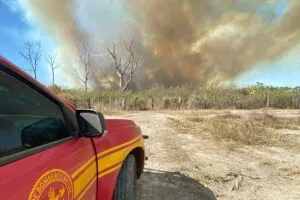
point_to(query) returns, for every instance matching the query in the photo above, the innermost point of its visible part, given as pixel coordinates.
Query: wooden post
(180, 102)
(110, 103)
(116, 103)
(102, 105)
(76, 103)
(89, 103)
(152, 103)
(268, 101)
(123, 104)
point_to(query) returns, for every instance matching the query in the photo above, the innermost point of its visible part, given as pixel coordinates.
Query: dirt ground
(192, 167)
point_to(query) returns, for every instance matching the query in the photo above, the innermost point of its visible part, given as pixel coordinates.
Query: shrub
(138, 104)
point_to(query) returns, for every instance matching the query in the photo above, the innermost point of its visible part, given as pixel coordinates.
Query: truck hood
(117, 122)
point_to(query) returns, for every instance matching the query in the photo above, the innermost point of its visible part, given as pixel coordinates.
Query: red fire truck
(50, 150)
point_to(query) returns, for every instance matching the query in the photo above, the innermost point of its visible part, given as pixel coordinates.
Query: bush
(138, 104)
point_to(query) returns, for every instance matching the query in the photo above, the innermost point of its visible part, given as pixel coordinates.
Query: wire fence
(195, 102)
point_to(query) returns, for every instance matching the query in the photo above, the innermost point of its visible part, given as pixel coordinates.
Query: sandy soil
(189, 166)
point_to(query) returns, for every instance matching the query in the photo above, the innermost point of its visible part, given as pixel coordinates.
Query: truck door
(40, 156)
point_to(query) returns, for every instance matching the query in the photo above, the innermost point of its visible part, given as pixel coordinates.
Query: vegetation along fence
(193, 102)
(185, 97)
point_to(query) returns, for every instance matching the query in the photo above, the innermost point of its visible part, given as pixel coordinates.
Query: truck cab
(50, 150)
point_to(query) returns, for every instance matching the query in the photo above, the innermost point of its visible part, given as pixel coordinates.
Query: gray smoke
(180, 41)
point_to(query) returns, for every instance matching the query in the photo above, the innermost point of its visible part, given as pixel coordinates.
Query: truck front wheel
(127, 180)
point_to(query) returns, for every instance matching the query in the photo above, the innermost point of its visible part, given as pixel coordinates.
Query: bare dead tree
(51, 59)
(32, 54)
(124, 70)
(83, 69)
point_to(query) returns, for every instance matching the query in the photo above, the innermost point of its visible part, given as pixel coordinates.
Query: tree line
(124, 58)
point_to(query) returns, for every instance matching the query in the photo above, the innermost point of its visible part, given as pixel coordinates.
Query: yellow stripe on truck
(84, 181)
(83, 166)
(118, 146)
(81, 182)
(87, 188)
(110, 170)
(117, 157)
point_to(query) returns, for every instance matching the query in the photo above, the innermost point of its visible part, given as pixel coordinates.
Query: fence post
(123, 104)
(102, 105)
(150, 103)
(89, 103)
(116, 103)
(180, 102)
(268, 101)
(76, 103)
(110, 103)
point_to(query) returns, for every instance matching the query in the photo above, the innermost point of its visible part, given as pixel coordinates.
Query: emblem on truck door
(55, 184)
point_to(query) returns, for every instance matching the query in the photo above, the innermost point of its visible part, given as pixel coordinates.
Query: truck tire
(126, 188)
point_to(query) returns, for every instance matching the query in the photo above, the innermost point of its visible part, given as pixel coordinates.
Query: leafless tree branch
(78, 75)
(125, 70)
(51, 59)
(85, 53)
(32, 54)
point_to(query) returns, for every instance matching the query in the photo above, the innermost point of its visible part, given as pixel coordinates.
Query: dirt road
(192, 167)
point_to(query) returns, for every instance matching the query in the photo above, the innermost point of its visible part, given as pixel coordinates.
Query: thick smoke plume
(196, 40)
(182, 41)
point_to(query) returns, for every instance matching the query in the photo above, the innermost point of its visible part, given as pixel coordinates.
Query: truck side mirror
(91, 123)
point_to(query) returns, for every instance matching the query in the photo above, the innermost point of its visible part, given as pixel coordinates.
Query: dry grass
(247, 132)
(232, 130)
(111, 111)
(264, 161)
(285, 168)
(274, 122)
(295, 172)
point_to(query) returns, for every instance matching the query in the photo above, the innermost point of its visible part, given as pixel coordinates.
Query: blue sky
(17, 29)
(12, 25)
(283, 72)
